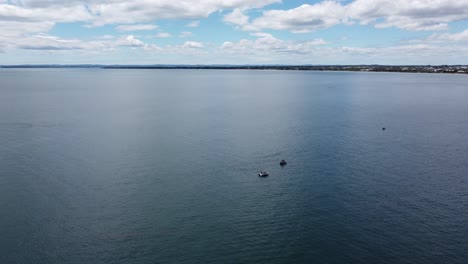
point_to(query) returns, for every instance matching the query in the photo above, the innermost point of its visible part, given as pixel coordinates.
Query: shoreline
(454, 69)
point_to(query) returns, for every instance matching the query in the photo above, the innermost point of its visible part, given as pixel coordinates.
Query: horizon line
(222, 65)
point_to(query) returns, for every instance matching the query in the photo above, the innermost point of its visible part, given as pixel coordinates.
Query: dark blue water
(160, 166)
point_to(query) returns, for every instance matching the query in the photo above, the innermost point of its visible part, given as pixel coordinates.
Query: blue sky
(233, 32)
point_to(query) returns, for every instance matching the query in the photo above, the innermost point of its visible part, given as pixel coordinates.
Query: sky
(395, 32)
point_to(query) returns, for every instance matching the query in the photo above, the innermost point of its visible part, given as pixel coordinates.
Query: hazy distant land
(461, 69)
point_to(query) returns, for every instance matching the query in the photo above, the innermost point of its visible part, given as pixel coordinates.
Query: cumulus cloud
(267, 44)
(120, 11)
(18, 24)
(449, 37)
(237, 17)
(56, 13)
(408, 14)
(130, 41)
(405, 52)
(191, 48)
(304, 18)
(414, 15)
(98, 13)
(267, 49)
(405, 14)
(26, 24)
(137, 27)
(19, 28)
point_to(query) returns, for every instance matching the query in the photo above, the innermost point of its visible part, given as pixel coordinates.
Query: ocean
(161, 166)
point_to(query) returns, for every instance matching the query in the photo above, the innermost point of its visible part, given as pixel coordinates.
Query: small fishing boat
(263, 174)
(283, 162)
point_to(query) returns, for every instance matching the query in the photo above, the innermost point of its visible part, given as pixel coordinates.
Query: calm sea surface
(160, 166)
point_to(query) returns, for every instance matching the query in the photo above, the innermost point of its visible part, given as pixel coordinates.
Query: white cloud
(302, 19)
(163, 35)
(137, 27)
(54, 43)
(237, 17)
(267, 44)
(408, 14)
(404, 52)
(411, 15)
(50, 14)
(98, 13)
(267, 49)
(19, 28)
(192, 45)
(46, 42)
(19, 24)
(448, 37)
(26, 24)
(119, 11)
(405, 14)
(130, 41)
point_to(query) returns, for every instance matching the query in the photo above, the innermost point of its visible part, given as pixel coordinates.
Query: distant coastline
(456, 69)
